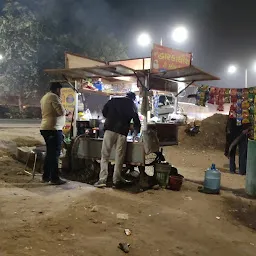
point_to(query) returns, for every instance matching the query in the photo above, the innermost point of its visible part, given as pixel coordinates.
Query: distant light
(144, 40)
(123, 78)
(232, 69)
(180, 34)
(254, 66)
(1, 56)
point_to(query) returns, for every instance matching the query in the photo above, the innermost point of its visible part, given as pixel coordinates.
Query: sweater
(53, 112)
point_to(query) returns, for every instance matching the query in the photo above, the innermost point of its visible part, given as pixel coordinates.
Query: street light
(144, 39)
(180, 34)
(232, 69)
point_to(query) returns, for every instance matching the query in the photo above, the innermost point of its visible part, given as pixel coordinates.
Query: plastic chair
(39, 153)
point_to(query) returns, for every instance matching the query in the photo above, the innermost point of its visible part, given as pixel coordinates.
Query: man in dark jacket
(232, 133)
(118, 113)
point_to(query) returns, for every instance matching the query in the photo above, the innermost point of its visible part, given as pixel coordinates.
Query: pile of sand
(212, 134)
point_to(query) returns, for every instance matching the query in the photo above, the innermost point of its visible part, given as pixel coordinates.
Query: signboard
(68, 102)
(164, 58)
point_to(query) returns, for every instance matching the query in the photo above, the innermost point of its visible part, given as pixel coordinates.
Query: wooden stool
(39, 153)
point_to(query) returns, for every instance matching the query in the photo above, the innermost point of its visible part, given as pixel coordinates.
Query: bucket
(175, 182)
(162, 174)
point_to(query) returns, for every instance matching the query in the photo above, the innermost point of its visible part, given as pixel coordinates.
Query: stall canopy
(161, 81)
(187, 75)
(168, 80)
(107, 71)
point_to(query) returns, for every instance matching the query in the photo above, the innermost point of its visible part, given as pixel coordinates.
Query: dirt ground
(78, 220)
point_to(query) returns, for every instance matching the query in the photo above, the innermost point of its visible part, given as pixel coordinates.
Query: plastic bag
(87, 114)
(150, 141)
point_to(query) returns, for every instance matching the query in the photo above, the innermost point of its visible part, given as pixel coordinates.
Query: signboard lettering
(164, 58)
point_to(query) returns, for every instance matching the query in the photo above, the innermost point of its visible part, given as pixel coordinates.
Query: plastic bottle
(212, 180)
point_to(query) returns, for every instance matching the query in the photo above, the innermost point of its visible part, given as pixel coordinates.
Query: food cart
(155, 77)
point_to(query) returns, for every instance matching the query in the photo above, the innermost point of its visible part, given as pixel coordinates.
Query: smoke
(216, 36)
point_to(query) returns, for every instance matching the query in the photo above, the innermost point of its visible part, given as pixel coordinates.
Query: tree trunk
(20, 102)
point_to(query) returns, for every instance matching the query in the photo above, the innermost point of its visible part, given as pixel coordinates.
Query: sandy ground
(37, 219)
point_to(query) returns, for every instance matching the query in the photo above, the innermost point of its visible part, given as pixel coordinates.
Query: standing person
(118, 113)
(53, 121)
(232, 133)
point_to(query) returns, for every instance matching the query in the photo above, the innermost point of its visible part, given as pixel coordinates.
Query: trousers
(53, 141)
(111, 140)
(242, 148)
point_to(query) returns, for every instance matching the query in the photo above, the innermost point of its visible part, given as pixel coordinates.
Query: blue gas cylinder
(212, 180)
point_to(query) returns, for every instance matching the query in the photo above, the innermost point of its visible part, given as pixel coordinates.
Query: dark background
(221, 32)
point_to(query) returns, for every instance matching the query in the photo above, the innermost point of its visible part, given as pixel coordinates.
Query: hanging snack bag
(239, 93)
(201, 96)
(251, 95)
(233, 95)
(239, 119)
(233, 107)
(221, 104)
(245, 94)
(245, 104)
(239, 106)
(232, 111)
(251, 118)
(246, 117)
(217, 90)
(232, 114)
(251, 109)
(212, 93)
(221, 93)
(227, 96)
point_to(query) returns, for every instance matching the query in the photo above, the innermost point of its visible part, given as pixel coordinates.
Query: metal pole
(176, 104)
(246, 78)
(146, 118)
(75, 111)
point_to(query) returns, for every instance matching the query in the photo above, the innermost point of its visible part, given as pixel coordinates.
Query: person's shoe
(45, 180)
(58, 182)
(100, 184)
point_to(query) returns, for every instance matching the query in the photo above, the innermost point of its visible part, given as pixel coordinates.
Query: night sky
(221, 32)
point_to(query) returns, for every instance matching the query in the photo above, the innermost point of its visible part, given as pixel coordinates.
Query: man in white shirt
(53, 121)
